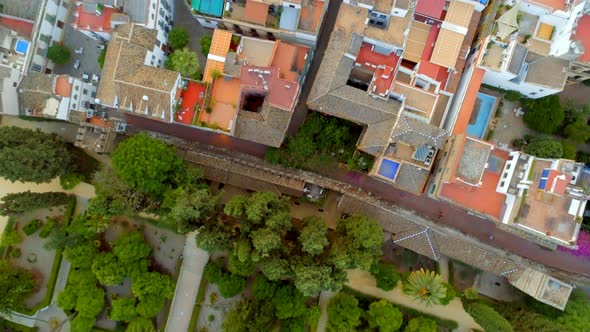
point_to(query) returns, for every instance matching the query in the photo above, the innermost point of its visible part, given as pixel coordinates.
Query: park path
(187, 285)
(325, 298)
(363, 282)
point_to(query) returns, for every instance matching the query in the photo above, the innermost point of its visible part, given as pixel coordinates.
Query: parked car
(95, 78)
(79, 50)
(76, 64)
(85, 76)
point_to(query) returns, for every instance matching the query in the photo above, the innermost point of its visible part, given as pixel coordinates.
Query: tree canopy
(543, 114)
(123, 309)
(314, 235)
(205, 42)
(544, 147)
(15, 285)
(487, 317)
(421, 324)
(108, 269)
(59, 54)
(385, 275)
(384, 316)
(343, 313)
(32, 155)
(178, 37)
(189, 207)
(18, 203)
(146, 164)
(184, 61)
(425, 286)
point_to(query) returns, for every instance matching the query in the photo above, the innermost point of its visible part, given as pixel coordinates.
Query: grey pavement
(52, 315)
(443, 264)
(187, 285)
(325, 298)
(183, 17)
(62, 279)
(74, 39)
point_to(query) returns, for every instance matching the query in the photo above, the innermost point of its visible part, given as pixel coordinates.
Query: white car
(76, 64)
(85, 76)
(95, 78)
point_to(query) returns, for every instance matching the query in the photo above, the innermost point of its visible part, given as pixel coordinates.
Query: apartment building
(580, 68)
(394, 68)
(529, 51)
(254, 86)
(540, 199)
(98, 18)
(294, 20)
(49, 30)
(130, 80)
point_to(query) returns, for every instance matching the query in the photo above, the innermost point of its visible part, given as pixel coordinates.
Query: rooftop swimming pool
(22, 46)
(388, 168)
(484, 111)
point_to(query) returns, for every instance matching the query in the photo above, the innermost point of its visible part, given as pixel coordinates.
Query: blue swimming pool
(486, 104)
(22, 46)
(388, 168)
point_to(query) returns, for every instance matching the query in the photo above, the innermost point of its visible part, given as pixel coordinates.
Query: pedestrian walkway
(363, 282)
(187, 286)
(62, 279)
(325, 298)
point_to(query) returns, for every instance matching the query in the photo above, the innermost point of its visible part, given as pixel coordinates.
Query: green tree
(152, 283)
(122, 309)
(275, 268)
(265, 240)
(205, 42)
(19, 203)
(425, 286)
(184, 61)
(140, 324)
(101, 58)
(231, 285)
(289, 302)
(90, 301)
(249, 316)
(188, 207)
(470, 294)
(243, 268)
(544, 147)
(451, 294)
(212, 238)
(578, 132)
(82, 323)
(150, 305)
(358, 244)
(385, 275)
(421, 324)
(487, 317)
(131, 247)
(59, 54)
(108, 269)
(543, 114)
(10, 238)
(384, 316)
(15, 285)
(31, 155)
(178, 37)
(314, 235)
(311, 279)
(569, 150)
(343, 313)
(146, 164)
(263, 289)
(81, 255)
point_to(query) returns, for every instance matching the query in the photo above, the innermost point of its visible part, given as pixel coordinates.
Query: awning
(507, 23)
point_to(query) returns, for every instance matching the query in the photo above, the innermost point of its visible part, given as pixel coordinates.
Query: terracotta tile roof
(63, 87)
(447, 48)
(131, 84)
(35, 90)
(459, 13)
(289, 59)
(89, 21)
(468, 101)
(553, 4)
(417, 40)
(432, 8)
(255, 12)
(582, 34)
(216, 58)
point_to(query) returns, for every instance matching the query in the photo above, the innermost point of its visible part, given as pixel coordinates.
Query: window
(45, 38)
(60, 24)
(50, 18)
(84, 91)
(41, 51)
(502, 184)
(14, 84)
(533, 93)
(505, 175)
(153, 16)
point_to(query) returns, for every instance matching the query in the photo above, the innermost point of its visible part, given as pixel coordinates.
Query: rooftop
(226, 93)
(546, 208)
(280, 92)
(37, 94)
(417, 40)
(447, 48)
(220, 43)
(431, 8)
(459, 13)
(311, 16)
(582, 34)
(289, 59)
(546, 71)
(256, 52)
(90, 21)
(255, 12)
(469, 101)
(209, 7)
(192, 97)
(473, 161)
(417, 99)
(553, 4)
(22, 27)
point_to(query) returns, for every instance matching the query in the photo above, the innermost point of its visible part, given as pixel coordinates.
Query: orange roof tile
(210, 67)
(255, 12)
(63, 87)
(468, 101)
(220, 42)
(554, 4)
(91, 22)
(582, 34)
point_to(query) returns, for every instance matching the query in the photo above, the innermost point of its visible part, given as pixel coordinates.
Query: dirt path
(325, 297)
(363, 282)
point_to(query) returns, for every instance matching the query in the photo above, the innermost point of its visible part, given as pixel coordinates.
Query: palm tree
(425, 286)
(184, 61)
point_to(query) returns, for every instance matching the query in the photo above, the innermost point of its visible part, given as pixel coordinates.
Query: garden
(33, 218)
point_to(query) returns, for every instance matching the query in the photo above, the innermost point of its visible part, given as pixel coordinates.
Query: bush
(178, 37)
(451, 294)
(569, 150)
(470, 294)
(48, 228)
(101, 58)
(59, 54)
(544, 114)
(386, 276)
(205, 43)
(70, 181)
(544, 147)
(10, 238)
(32, 227)
(488, 318)
(15, 253)
(344, 313)
(18, 203)
(421, 324)
(213, 271)
(231, 285)
(512, 95)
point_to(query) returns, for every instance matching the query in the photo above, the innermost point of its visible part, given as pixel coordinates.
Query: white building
(49, 29)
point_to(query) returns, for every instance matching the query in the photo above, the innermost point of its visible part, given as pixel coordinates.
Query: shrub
(32, 227)
(205, 43)
(386, 276)
(421, 324)
(544, 114)
(544, 147)
(213, 271)
(70, 181)
(59, 54)
(231, 285)
(18, 203)
(15, 253)
(10, 238)
(513, 95)
(451, 294)
(48, 228)
(569, 150)
(344, 313)
(488, 318)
